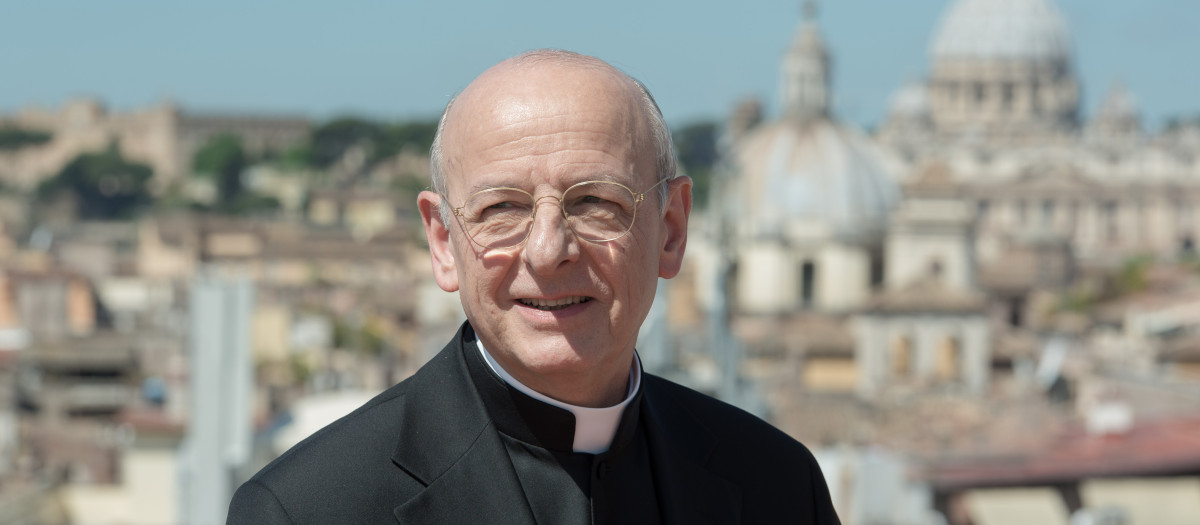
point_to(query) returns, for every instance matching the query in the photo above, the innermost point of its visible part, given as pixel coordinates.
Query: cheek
(486, 277)
(633, 271)
(641, 257)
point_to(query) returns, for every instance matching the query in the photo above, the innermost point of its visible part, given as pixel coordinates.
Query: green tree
(17, 138)
(104, 185)
(1133, 275)
(417, 135)
(331, 140)
(293, 159)
(696, 146)
(223, 159)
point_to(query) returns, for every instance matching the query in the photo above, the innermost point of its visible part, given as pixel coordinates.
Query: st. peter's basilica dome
(1002, 29)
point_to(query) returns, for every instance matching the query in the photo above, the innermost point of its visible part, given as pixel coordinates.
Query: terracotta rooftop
(147, 420)
(1164, 447)
(1184, 349)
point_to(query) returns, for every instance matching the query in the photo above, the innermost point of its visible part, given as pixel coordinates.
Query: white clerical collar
(594, 427)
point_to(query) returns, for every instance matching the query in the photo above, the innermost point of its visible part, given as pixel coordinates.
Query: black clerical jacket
(426, 452)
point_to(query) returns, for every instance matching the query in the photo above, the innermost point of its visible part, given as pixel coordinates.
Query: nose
(551, 242)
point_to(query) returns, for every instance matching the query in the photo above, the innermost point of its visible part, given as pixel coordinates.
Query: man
(554, 212)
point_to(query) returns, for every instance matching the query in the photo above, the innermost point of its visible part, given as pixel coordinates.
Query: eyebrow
(607, 176)
(481, 187)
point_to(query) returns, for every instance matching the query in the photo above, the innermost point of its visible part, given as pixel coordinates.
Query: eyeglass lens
(597, 211)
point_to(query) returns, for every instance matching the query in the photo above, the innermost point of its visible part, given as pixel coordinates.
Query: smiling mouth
(554, 304)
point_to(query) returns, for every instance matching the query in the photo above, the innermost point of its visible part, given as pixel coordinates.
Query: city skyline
(401, 61)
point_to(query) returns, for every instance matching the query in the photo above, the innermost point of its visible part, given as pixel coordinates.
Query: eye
(591, 199)
(498, 204)
(492, 210)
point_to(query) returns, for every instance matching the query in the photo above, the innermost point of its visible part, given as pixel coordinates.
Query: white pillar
(976, 359)
(219, 432)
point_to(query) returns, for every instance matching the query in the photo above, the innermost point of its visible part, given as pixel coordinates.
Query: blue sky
(402, 59)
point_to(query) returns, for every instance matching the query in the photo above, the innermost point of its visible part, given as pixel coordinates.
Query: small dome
(1003, 29)
(911, 101)
(817, 175)
(1118, 104)
(1117, 115)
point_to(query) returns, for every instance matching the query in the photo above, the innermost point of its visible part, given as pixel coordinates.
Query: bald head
(549, 82)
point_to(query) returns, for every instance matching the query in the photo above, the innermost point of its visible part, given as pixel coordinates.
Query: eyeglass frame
(638, 198)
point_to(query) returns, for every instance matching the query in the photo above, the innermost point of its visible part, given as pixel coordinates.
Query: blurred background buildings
(985, 310)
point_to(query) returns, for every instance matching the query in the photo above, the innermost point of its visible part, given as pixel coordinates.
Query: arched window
(901, 357)
(949, 361)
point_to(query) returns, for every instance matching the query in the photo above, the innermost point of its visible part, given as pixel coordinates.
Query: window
(1111, 227)
(901, 357)
(935, 268)
(948, 366)
(1016, 312)
(877, 269)
(808, 275)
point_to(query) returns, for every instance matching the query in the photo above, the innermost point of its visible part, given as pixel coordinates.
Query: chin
(557, 356)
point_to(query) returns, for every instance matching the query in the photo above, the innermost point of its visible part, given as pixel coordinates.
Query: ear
(445, 270)
(675, 222)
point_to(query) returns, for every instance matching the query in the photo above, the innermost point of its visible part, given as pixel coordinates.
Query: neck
(587, 390)
(584, 390)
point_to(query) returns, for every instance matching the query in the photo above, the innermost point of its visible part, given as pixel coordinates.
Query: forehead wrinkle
(602, 142)
(608, 144)
(569, 115)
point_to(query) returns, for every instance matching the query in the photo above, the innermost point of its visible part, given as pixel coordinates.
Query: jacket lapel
(449, 445)
(680, 446)
(482, 487)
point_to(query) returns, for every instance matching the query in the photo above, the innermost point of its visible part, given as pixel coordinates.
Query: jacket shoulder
(367, 434)
(333, 464)
(352, 460)
(780, 479)
(726, 422)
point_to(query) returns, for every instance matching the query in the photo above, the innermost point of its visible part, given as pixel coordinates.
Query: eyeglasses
(597, 211)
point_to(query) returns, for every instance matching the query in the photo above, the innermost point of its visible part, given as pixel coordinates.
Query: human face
(559, 314)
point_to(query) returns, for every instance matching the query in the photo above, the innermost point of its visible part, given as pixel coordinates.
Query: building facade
(164, 137)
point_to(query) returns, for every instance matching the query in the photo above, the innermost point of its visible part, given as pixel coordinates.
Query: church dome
(1118, 104)
(813, 178)
(910, 101)
(1002, 29)
(1117, 117)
